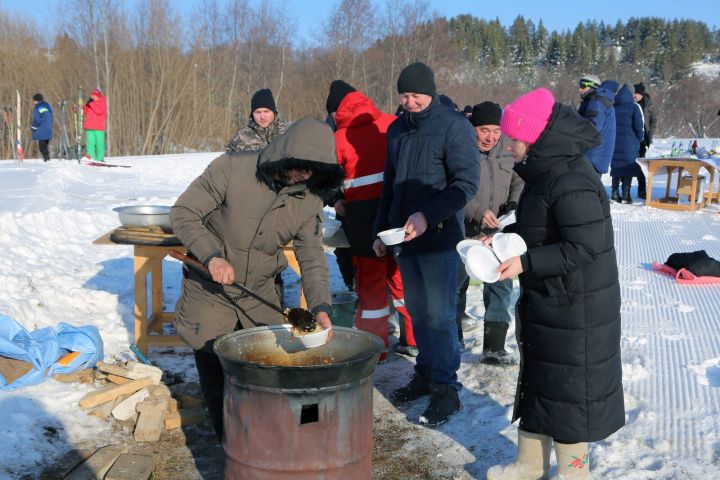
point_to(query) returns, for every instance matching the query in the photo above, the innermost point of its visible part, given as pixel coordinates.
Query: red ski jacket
(361, 150)
(95, 112)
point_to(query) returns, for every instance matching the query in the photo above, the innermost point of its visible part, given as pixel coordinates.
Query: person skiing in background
(95, 112)
(263, 125)
(42, 125)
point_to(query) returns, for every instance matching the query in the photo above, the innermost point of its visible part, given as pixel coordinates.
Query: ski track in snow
(50, 272)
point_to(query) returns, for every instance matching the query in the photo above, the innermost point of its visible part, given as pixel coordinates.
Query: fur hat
(528, 115)
(263, 98)
(338, 91)
(417, 78)
(486, 113)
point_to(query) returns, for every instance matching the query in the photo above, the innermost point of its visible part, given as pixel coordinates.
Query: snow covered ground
(50, 272)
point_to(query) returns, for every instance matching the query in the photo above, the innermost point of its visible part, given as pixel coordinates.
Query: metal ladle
(300, 318)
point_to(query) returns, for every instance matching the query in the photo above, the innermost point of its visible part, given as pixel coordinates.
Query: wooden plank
(81, 376)
(183, 418)
(164, 341)
(150, 423)
(110, 368)
(125, 410)
(98, 464)
(96, 398)
(117, 379)
(131, 467)
(12, 369)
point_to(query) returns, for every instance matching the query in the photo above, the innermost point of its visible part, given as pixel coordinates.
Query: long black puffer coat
(570, 384)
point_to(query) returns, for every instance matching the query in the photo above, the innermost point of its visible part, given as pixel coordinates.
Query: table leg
(140, 271)
(157, 293)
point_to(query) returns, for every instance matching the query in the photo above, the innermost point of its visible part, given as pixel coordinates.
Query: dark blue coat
(568, 328)
(629, 134)
(433, 167)
(597, 106)
(42, 124)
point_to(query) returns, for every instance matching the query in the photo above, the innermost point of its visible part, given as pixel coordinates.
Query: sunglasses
(585, 84)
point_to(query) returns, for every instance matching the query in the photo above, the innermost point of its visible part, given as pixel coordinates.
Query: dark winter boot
(626, 194)
(615, 195)
(418, 387)
(494, 344)
(642, 192)
(444, 403)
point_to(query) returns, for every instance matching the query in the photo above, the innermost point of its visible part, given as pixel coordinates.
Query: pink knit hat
(526, 117)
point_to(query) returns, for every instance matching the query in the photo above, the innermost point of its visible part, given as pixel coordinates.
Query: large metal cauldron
(298, 414)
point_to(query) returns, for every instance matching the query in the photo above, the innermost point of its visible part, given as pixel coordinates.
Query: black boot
(494, 344)
(626, 194)
(615, 195)
(444, 403)
(418, 387)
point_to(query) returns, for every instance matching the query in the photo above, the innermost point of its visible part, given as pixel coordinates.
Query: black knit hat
(467, 109)
(417, 78)
(486, 113)
(263, 98)
(639, 88)
(38, 97)
(338, 90)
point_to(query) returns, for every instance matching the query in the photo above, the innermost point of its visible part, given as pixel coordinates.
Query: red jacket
(95, 112)
(361, 150)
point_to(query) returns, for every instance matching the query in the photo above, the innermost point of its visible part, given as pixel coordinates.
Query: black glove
(507, 207)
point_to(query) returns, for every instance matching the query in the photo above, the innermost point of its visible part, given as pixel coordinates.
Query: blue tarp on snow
(43, 347)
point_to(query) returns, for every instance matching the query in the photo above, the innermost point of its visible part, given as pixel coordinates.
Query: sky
(310, 15)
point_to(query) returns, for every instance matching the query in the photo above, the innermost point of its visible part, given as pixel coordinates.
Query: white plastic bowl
(507, 219)
(464, 245)
(392, 236)
(311, 340)
(508, 245)
(482, 265)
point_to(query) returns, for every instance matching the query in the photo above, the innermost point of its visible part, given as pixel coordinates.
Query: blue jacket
(433, 167)
(630, 132)
(42, 124)
(597, 106)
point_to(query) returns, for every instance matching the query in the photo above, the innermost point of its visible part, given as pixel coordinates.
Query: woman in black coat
(568, 316)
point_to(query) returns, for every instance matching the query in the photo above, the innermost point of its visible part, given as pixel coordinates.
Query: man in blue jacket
(597, 106)
(432, 171)
(42, 125)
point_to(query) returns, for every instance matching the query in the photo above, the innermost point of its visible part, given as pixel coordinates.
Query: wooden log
(96, 398)
(183, 418)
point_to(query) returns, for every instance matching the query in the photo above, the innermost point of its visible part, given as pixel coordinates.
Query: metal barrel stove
(295, 413)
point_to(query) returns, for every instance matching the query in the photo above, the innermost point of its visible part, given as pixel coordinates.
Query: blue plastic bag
(45, 346)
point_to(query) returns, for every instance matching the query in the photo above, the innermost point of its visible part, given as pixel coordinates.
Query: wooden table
(683, 186)
(148, 260)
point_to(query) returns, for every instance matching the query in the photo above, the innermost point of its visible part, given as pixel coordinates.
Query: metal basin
(269, 357)
(144, 216)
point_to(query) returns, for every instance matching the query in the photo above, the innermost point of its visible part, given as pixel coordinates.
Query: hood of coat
(625, 95)
(306, 144)
(355, 110)
(607, 89)
(567, 136)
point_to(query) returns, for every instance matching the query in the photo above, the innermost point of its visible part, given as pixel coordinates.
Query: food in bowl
(312, 339)
(392, 236)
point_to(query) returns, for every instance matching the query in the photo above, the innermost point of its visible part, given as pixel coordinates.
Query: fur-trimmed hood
(307, 144)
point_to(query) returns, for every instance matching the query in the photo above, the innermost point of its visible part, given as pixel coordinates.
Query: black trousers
(212, 383)
(44, 149)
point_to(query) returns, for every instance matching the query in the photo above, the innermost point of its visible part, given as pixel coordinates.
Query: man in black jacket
(646, 105)
(432, 171)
